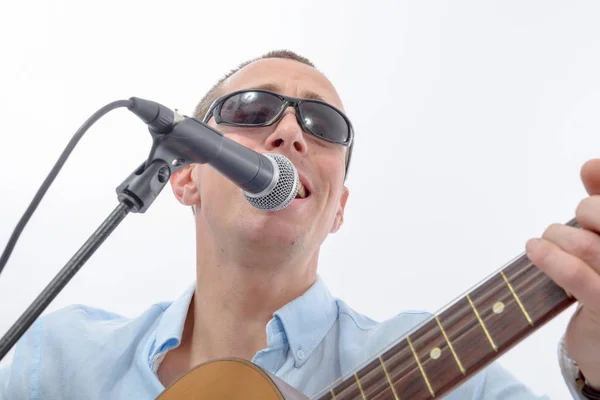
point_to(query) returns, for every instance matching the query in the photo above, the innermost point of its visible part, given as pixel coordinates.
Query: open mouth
(303, 192)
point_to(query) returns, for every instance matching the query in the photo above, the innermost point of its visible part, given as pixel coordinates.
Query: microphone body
(268, 181)
(192, 141)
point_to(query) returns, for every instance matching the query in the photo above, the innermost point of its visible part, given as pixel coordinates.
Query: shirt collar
(170, 327)
(305, 320)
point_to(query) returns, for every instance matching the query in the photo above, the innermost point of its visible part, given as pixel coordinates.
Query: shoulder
(85, 322)
(78, 329)
(393, 327)
(79, 314)
(68, 341)
(361, 337)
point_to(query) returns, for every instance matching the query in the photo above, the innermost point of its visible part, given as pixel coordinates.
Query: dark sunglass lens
(250, 108)
(325, 122)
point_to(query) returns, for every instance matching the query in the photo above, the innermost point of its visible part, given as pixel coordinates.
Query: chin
(266, 231)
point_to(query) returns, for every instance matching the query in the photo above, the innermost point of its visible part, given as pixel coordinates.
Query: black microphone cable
(53, 173)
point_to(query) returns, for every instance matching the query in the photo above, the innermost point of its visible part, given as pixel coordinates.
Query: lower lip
(299, 200)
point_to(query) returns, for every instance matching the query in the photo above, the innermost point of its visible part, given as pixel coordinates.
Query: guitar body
(230, 379)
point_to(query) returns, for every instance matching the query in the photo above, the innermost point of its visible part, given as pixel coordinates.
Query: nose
(288, 133)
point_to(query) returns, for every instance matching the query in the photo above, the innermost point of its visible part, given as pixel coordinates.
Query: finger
(587, 213)
(568, 271)
(590, 175)
(578, 242)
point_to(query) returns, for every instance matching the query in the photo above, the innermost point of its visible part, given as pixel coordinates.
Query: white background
(472, 120)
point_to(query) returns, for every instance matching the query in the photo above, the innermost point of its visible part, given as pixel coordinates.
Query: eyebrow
(272, 87)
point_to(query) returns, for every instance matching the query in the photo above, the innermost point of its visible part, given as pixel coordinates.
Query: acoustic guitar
(433, 359)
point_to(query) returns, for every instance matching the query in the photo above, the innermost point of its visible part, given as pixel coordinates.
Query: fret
(500, 311)
(420, 367)
(487, 334)
(346, 390)
(387, 376)
(367, 383)
(404, 373)
(360, 386)
(435, 357)
(516, 298)
(375, 382)
(465, 333)
(460, 366)
(540, 295)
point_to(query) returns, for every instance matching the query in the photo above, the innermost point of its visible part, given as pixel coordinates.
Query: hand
(571, 257)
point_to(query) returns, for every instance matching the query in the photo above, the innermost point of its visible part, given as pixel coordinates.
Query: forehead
(287, 77)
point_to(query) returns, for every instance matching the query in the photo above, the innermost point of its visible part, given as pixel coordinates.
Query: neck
(246, 282)
(235, 297)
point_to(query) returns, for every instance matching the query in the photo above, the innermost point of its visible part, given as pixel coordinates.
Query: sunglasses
(256, 108)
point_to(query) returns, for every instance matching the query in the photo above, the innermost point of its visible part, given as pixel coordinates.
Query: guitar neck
(462, 339)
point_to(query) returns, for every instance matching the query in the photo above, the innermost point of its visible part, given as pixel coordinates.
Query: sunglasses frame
(287, 101)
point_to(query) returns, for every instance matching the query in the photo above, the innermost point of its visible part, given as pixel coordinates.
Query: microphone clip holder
(143, 185)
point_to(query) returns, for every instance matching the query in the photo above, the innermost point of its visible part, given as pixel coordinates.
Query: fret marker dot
(498, 307)
(435, 353)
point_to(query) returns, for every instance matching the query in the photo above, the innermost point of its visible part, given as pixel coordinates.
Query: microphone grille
(286, 186)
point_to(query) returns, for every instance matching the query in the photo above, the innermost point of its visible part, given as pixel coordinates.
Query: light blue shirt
(84, 353)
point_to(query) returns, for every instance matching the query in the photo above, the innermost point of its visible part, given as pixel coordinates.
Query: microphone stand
(178, 139)
(135, 194)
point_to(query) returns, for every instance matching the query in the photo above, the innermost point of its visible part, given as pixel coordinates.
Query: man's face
(305, 222)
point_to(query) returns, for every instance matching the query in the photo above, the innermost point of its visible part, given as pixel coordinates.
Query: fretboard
(462, 339)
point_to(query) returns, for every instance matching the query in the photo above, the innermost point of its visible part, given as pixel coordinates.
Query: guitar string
(463, 310)
(414, 329)
(513, 262)
(380, 386)
(411, 368)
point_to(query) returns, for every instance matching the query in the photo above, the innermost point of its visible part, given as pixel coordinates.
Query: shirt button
(300, 354)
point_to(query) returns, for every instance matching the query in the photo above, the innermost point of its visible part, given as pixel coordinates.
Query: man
(257, 295)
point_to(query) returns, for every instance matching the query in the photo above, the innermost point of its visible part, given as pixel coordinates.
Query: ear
(184, 187)
(339, 216)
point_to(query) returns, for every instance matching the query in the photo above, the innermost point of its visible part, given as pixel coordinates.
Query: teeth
(301, 191)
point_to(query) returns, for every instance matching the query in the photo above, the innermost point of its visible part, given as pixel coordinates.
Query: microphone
(269, 181)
